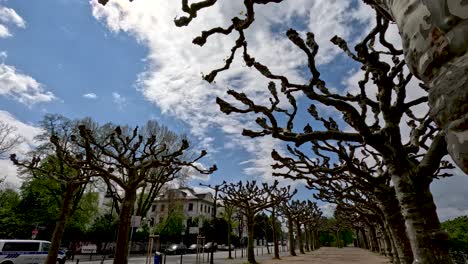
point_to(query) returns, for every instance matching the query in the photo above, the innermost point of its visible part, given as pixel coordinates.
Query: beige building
(194, 205)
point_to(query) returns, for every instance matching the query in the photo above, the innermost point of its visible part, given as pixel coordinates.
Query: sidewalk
(328, 255)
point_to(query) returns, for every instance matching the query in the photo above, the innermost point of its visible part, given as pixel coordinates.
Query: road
(219, 257)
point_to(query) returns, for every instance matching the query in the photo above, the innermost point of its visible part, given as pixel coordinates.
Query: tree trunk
(396, 225)
(291, 237)
(250, 245)
(275, 237)
(428, 241)
(299, 237)
(229, 239)
(373, 236)
(364, 238)
(65, 213)
(387, 245)
(306, 233)
(125, 221)
(358, 239)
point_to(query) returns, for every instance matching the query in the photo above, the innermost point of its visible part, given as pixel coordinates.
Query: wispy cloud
(21, 87)
(9, 16)
(119, 100)
(173, 82)
(90, 96)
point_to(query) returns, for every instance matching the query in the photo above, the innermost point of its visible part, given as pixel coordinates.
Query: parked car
(225, 247)
(26, 251)
(176, 249)
(209, 247)
(193, 248)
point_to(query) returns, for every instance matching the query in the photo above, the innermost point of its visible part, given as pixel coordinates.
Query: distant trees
(457, 229)
(251, 198)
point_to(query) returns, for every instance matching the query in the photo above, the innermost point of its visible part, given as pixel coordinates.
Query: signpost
(34, 233)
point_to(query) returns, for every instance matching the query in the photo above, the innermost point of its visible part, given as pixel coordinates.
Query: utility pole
(216, 189)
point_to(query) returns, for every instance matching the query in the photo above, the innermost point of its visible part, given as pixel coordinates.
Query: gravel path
(329, 255)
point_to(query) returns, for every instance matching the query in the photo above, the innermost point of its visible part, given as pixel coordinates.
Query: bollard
(77, 261)
(235, 256)
(181, 255)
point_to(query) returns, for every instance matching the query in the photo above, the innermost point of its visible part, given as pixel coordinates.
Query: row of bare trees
(251, 198)
(130, 162)
(376, 153)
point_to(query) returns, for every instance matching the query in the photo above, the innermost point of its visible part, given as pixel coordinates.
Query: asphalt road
(219, 257)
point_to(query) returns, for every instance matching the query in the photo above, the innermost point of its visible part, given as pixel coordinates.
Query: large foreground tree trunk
(291, 237)
(250, 244)
(65, 213)
(125, 221)
(396, 225)
(427, 240)
(435, 42)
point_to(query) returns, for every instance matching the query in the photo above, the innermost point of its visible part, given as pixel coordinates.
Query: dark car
(210, 247)
(176, 249)
(193, 248)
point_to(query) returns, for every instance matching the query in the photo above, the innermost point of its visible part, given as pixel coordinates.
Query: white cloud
(172, 79)
(90, 96)
(9, 16)
(119, 100)
(21, 87)
(328, 209)
(450, 195)
(28, 132)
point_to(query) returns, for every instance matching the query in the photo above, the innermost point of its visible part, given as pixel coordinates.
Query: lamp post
(216, 189)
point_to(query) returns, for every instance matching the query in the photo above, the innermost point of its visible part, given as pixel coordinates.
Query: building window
(209, 208)
(162, 207)
(153, 208)
(201, 208)
(190, 206)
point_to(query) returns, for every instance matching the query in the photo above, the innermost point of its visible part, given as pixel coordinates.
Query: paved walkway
(329, 255)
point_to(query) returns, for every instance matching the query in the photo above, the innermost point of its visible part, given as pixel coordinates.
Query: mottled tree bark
(396, 226)
(428, 241)
(435, 42)
(125, 221)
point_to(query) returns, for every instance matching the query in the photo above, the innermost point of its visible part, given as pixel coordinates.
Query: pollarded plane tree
(311, 221)
(293, 210)
(353, 169)
(356, 201)
(278, 196)
(57, 158)
(251, 198)
(128, 158)
(373, 114)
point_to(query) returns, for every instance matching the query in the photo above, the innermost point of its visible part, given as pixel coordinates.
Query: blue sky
(127, 63)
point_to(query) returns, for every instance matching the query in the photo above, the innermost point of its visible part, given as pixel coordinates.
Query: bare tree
(51, 160)
(278, 197)
(127, 158)
(375, 122)
(251, 199)
(8, 138)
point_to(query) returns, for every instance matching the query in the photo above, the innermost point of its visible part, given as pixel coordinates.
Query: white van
(14, 251)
